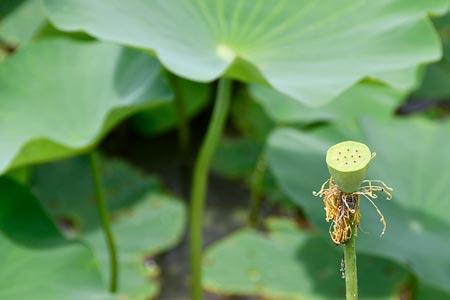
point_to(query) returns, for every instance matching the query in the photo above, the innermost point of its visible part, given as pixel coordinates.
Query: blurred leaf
(366, 98)
(436, 80)
(3, 55)
(66, 272)
(249, 117)
(236, 157)
(427, 293)
(311, 50)
(442, 23)
(290, 264)
(412, 157)
(163, 117)
(8, 6)
(59, 97)
(145, 222)
(23, 23)
(403, 80)
(49, 31)
(21, 175)
(66, 189)
(28, 227)
(149, 228)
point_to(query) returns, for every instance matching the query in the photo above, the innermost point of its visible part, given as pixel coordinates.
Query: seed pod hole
(347, 163)
(342, 156)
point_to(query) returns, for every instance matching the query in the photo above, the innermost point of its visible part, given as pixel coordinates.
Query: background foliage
(78, 75)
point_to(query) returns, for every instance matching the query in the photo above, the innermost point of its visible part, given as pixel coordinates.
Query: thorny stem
(351, 275)
(103, 214)
(256, 190)
(199, 183)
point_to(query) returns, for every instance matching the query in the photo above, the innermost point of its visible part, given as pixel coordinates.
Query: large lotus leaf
(310, 50)
(66, 190)
(256, 124)
(436, 81)
(58, 97)
(372, 99)
(164, 117)
(145, 222)
(236, 158)
(149, 228)
(291, 264)
(403, 80)
(8, 6)
(31, 271)
(23, 23)
(412, 157)
(427, 293)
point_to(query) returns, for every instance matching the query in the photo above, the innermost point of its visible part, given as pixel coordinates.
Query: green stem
(103, 214)
(199, 183)
(180, 108)
(183, 133)
(256, 191)
(351, 274)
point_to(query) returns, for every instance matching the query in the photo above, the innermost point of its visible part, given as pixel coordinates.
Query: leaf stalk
(351, 277)
(199, 184)
(103, 214)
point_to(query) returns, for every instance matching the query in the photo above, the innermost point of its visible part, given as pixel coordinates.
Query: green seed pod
(348, 163)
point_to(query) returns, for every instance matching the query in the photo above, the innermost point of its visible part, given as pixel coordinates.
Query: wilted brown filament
(342, 209)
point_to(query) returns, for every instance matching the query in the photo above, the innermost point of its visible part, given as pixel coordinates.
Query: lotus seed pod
(348, 163)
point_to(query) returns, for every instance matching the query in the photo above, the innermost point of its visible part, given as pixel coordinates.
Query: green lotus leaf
(23, 23)
(436, 80)
(236, 158)
(425, 293)
(250, 118)
(374, 99)
(59, 97)
(412, 157)
(145, 222)
(149, 228)
(163, 117)
(30, 267)
(290, 264)
(309, 50)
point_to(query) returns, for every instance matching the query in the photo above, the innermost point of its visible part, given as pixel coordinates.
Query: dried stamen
(342, 209)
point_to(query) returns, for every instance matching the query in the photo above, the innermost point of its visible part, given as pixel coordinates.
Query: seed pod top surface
(348, 163)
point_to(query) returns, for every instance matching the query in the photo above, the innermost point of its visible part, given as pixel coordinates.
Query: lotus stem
(351, 277)
(103, 214)
(180, 108)
(256, 191)
(199, 183)
(348, 163)
(184, 134)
